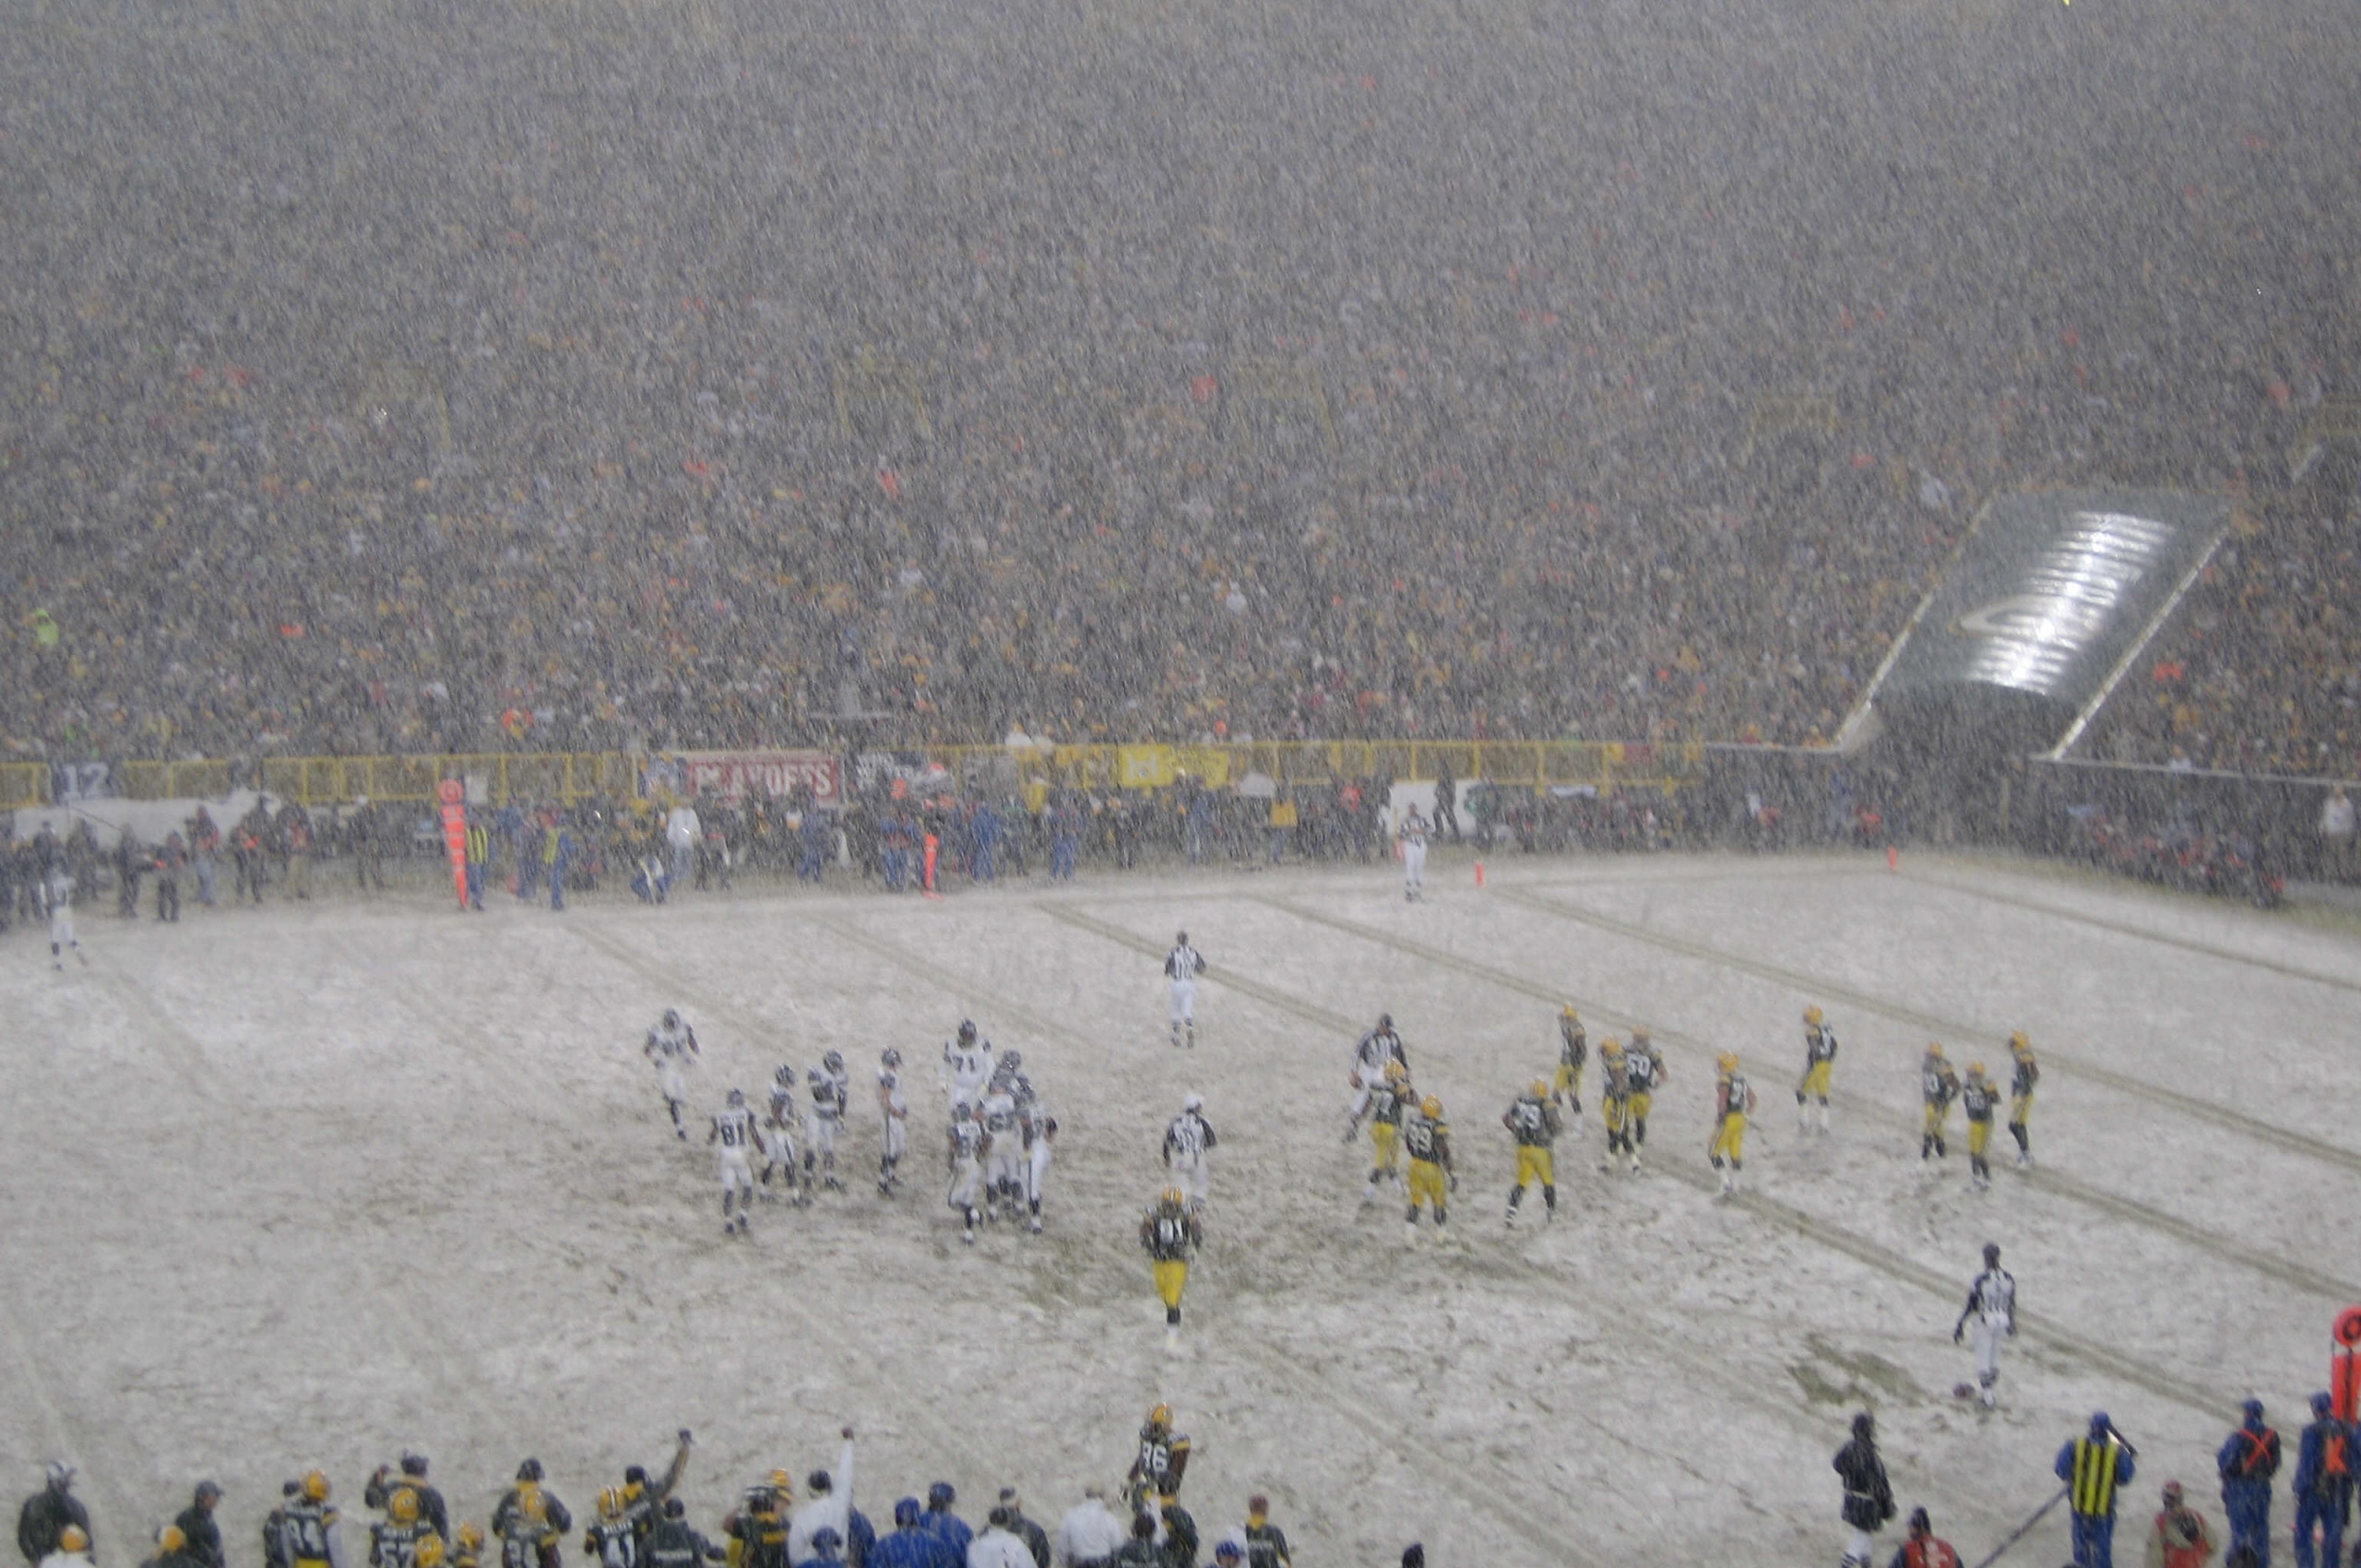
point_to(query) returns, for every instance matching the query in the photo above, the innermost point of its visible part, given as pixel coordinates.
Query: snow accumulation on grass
(305, 1186)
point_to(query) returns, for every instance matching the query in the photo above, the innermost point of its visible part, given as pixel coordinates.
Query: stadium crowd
(588, 451)
(642, 1522)
(2261, 670)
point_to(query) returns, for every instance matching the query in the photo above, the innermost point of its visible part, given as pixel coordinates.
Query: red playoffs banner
(733, 775)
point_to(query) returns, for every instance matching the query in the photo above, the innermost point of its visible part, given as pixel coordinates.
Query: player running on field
(1615, 1100)
(1427, 1139)
(672, 1045)
(733, 1133)
(1038, 1127)
(1532, 1121)
(1733, 1102)
(1172, 1235)
(1385, 1104)
(1573, 1052)
(1155, 1475)
(831, 1089)
(968, 1144)
(1939, 1086)
(1820, 1062)
(967, 1064)
(1978, 1098)
(776, 1137)
(1004, 1167)
(2024, 1073)
(1643, 1076)
(1181, 968)
(894, 1113)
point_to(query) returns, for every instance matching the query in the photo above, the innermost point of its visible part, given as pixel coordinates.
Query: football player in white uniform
(671, 1045)
(1039, 1127)
(1377, 1047)
(57, 897)
(894, 1112)
(1413, 834)
(967, 1064)
(831, 1089)
(1181, 968)
(776, 1134)
(969, 1145)
(733, 1133)
(1188, 1148)
(1004, 1167)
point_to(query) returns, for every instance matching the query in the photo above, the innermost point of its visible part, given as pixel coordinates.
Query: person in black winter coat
(168, 859)
(1868, 1498)
(432, 1511)
(47, 1513)
(1180, 1537)
(196, 1526)
(130, 860)
(1036, 1539)
(1140, 1551)
(672, 1544)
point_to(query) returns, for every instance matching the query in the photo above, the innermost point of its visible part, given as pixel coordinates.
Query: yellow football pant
(1533, 1164)
(1937, 1114)
(1978, 1132)
(2019, 1109)
(1730, 1142)
(1384, 1137)
(1815, 1082)
(1567, 1078)
(1427, 1186)
(1640, 1103)
(1614, 1111)
(1171, 1276)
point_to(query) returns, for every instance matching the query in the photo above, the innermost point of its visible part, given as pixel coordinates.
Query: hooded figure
(46, 1513)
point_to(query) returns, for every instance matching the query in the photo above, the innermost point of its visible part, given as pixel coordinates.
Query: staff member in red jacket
(2180, 1538)
(1924, 1548)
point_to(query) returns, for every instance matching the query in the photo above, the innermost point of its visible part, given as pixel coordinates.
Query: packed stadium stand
(2258, 674)
(420, 376)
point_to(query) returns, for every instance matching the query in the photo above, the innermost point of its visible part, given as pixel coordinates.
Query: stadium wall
(568, 777)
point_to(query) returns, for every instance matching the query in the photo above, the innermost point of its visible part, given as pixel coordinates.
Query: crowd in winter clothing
(642, 1522)
(2260, 672)
(1326, 408)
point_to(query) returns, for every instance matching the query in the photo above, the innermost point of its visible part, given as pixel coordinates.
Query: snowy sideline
(307, 1185)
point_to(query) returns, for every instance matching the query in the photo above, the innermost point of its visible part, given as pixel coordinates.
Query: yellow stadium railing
(568, 776)
(208, 778)
(23, 784)
(564, 777)
(1538, 763)
(326, 780)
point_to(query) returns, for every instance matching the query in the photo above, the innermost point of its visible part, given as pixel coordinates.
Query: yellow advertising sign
(1143, 768)
(1208, 766)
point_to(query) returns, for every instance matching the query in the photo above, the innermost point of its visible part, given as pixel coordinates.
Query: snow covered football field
(302, 1186)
